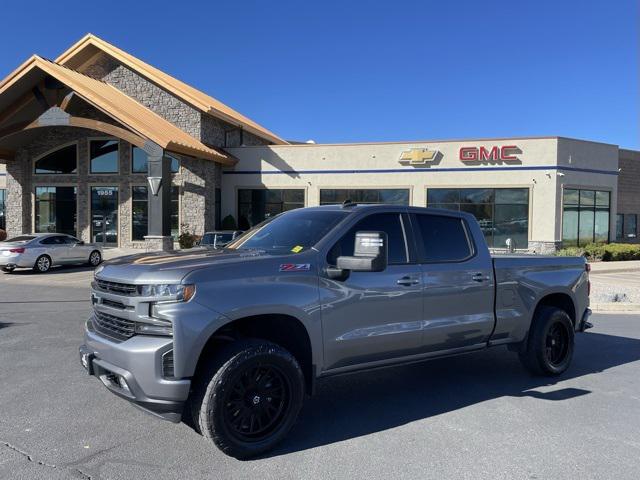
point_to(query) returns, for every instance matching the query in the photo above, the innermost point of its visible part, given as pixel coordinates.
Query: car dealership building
(103, 146)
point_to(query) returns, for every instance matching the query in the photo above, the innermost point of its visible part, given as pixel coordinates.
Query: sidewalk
(611, 267)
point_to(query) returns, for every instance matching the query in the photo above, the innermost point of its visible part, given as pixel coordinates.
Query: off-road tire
(544, 354)
(217, 382)
(43, 264)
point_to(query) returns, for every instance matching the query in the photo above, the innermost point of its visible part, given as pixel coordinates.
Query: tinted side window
(52, 241)
(380, 222)
(70, 240)
(444, 238)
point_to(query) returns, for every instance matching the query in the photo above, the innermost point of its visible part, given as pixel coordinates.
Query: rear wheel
(7, 269)
(248, 398)
(551, 342)
(95, 258)
(43, 264)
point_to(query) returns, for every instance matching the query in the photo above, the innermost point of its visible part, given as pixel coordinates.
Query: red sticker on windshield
(295, 267)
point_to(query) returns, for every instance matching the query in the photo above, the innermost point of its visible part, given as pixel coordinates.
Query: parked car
(234, 338)
(41, 251)
(219, 238)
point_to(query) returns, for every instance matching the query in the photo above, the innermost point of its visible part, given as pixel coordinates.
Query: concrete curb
(615, 307)
(614, 270)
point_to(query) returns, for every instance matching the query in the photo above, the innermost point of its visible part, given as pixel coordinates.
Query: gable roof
(112, 102)
(81, 51)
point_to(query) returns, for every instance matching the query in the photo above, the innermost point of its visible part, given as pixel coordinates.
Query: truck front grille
(118, 288)
(114, 327)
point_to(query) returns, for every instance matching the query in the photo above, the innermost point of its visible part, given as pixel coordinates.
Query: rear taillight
(587, 268)
(17, 250)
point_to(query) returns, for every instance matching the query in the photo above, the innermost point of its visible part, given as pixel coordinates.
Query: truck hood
(170, 267)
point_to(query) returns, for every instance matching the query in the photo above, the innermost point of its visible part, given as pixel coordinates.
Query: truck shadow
(354, 405)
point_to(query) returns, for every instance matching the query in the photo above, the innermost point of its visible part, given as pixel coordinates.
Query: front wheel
(550, 346)
(95, 258)
(43, 264)
(248, 398)
(7, 269)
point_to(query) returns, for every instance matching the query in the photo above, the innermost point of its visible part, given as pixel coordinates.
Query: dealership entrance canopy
(105, 147)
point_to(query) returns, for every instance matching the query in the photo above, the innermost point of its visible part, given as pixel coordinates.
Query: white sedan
(41, 251)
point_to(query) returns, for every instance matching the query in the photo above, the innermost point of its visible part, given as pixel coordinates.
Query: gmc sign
(506, 153)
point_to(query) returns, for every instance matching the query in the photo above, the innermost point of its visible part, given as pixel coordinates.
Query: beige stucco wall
(354, 162)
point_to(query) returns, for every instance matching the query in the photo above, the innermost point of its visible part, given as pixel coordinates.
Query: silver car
(41, 251)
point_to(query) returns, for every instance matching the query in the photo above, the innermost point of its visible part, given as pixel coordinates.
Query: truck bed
(522, 280)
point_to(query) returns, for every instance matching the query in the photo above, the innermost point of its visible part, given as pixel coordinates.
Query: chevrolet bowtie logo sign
(418, 156)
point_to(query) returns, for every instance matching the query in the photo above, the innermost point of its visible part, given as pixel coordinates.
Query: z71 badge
(295, 267)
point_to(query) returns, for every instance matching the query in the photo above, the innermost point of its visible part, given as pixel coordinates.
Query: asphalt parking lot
(475, 416)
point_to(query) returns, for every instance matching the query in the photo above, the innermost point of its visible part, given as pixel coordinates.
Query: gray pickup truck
(231, 340)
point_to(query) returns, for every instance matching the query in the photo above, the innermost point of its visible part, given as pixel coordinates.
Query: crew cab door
(372, 316)
(458, 282)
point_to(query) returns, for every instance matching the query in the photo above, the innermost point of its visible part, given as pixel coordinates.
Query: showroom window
(103, 156)
(140, 212)
(619, 227)
(139, 161)
(395, 196)
(626, 227)
(501, 212)
(61, 161)
(585, 217)
(3, 200)
(55, 210)
(175, 212)
(258, 204)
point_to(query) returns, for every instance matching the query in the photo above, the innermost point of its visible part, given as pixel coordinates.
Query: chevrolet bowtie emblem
(418, 156)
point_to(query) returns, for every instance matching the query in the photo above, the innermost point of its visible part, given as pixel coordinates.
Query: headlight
(179, 293)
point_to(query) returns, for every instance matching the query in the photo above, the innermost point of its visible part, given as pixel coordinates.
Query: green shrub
(229, 223)
(611, 252)
(615, 252)
(570, 252)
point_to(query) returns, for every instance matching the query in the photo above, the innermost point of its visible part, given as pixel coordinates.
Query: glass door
(104, 215)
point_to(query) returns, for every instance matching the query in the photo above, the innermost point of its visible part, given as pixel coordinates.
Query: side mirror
(370, 253)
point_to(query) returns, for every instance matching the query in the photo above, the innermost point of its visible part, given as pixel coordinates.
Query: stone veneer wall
(22, 182)
(197, 179)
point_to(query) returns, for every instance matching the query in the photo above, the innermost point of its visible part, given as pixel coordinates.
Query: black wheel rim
(257, 402)
(557, 344)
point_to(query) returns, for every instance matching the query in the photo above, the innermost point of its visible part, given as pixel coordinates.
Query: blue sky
(343, 71)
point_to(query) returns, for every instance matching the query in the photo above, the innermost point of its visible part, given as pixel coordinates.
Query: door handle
(407, 281)
(480, 277)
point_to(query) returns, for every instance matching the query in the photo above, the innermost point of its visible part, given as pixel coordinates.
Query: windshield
(294, 231)
(23, 238)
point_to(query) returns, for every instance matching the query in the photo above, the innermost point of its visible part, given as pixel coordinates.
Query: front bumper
(132, 369)
(585, 324)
